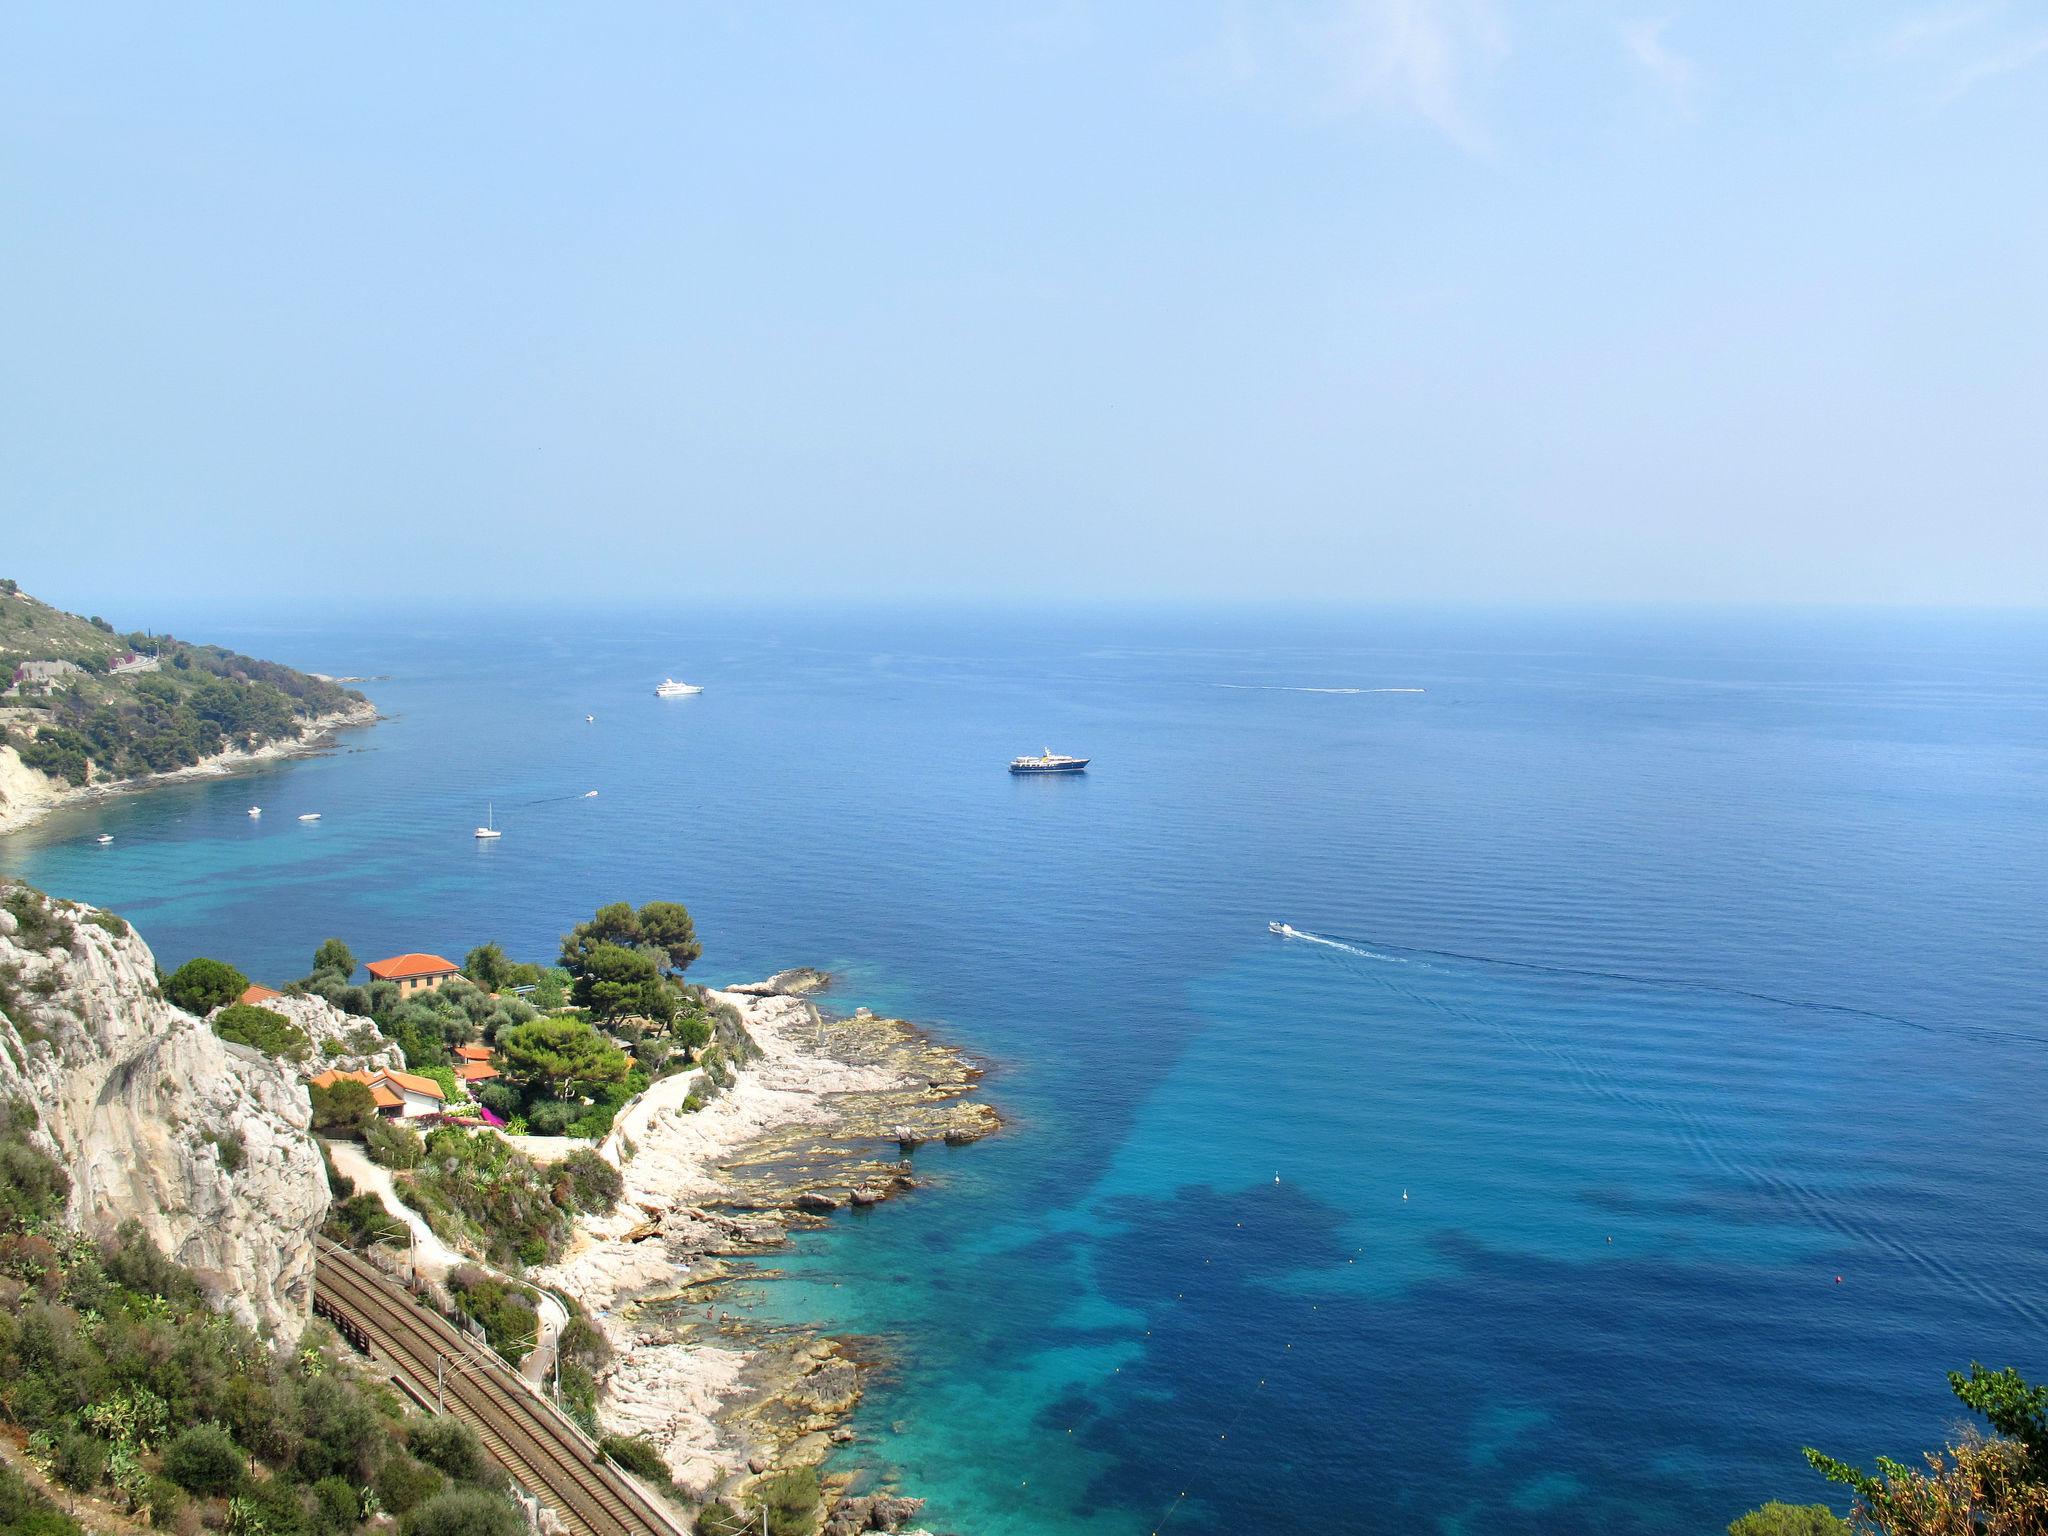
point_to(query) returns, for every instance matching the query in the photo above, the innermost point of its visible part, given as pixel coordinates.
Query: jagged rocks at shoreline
(814, 1127)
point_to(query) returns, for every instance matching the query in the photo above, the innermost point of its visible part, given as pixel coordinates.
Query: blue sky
(1335, 300)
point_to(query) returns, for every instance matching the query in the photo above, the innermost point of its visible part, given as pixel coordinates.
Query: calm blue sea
(1668, 967)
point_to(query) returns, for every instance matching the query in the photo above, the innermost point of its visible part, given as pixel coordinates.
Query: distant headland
(86, 709)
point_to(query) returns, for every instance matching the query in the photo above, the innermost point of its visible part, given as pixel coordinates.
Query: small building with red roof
(401, 1095)
(256, 995)
(414, 972)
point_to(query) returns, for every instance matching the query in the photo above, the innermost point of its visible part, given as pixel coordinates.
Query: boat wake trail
(1287, 932)
(1286, 688)
(1666, 984)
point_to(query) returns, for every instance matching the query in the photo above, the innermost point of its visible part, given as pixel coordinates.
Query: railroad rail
(537, 1445)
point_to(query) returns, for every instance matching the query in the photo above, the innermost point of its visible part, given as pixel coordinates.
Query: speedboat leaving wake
(1287, 932)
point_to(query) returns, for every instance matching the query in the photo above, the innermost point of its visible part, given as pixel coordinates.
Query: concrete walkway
(434, 1258)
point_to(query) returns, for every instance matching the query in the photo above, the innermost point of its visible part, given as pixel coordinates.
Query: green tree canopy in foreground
(619, 983)
(1776, 1519)
(201, 985)
(565, 1056)
(662, 930)
(1981, 1486)
(333, 955)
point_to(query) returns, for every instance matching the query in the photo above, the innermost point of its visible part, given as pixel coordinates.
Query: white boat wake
(1287, 931)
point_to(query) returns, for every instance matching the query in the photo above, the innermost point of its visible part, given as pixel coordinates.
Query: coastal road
(542, 1450)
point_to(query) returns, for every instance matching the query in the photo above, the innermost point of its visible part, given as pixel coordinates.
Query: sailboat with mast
(490, 827)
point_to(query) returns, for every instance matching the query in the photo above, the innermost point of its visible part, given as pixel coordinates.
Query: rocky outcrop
(340, 1040)
(155, 1118)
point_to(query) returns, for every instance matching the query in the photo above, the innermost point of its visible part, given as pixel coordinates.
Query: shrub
(594, 1184)
(343, 1107)
(466, 1512)
(337, 1509)
(232, 1150)
(791, 1499)
(204, 1460)
(32, 1186)
(117, 926)
(638, 1456)
(402, 1482)
(81, 1460)
(341, 1429)
(356, 1221)
(164, 1498)
(271, 1033)
(1776, 1519)
(450, 1446)
(333, 955)
(505, 1311)
(202, 985)
(39, 924)
(24, 1512)
(392, 1143)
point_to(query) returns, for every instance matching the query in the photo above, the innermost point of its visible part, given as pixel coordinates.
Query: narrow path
(434, 1258)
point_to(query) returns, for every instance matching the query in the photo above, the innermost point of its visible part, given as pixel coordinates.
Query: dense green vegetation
(504, 1309)
(271, 1033)
(479, 1191)
(97, 722)
(1776, 1519)
(201, 985)
(128, 1386)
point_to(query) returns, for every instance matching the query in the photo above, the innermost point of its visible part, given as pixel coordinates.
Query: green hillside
(83, 701)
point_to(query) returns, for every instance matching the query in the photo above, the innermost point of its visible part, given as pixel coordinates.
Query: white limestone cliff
(156, 1118)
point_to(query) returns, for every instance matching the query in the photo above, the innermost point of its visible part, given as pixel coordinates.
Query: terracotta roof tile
(399, 967)
(257, 993)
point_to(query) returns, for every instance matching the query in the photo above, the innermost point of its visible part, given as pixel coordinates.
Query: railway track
(539, 1447)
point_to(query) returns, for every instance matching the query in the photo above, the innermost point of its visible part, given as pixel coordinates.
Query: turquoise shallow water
(1670, 965)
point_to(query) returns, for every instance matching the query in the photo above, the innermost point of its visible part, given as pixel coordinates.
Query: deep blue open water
(1668, 967)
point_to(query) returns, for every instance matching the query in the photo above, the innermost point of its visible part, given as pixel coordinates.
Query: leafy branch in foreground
(1983, 1486)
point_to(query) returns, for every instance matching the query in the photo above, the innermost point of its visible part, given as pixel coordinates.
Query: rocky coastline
(826, 1119)
(26, 796)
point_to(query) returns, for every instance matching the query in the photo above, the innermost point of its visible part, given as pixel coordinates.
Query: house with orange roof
(474, 1063)
(413, 972)
(256, 995)
(401, 1095)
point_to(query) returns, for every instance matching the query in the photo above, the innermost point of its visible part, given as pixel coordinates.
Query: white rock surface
(138, 1099)
(323, 1022)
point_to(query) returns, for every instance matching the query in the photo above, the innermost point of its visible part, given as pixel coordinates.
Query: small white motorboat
(310, 816)
(669, 688)
(590, 719)
(490, 827)
(590, 794)
(104, 838)
(1283, 930)
(255, 810)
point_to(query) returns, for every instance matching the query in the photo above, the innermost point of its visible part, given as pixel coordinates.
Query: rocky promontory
(822, 1123)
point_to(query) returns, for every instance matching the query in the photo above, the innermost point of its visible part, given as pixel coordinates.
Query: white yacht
(490, 827)
(310, 816)
(669, 688)
(255, 810)
(104, 838)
